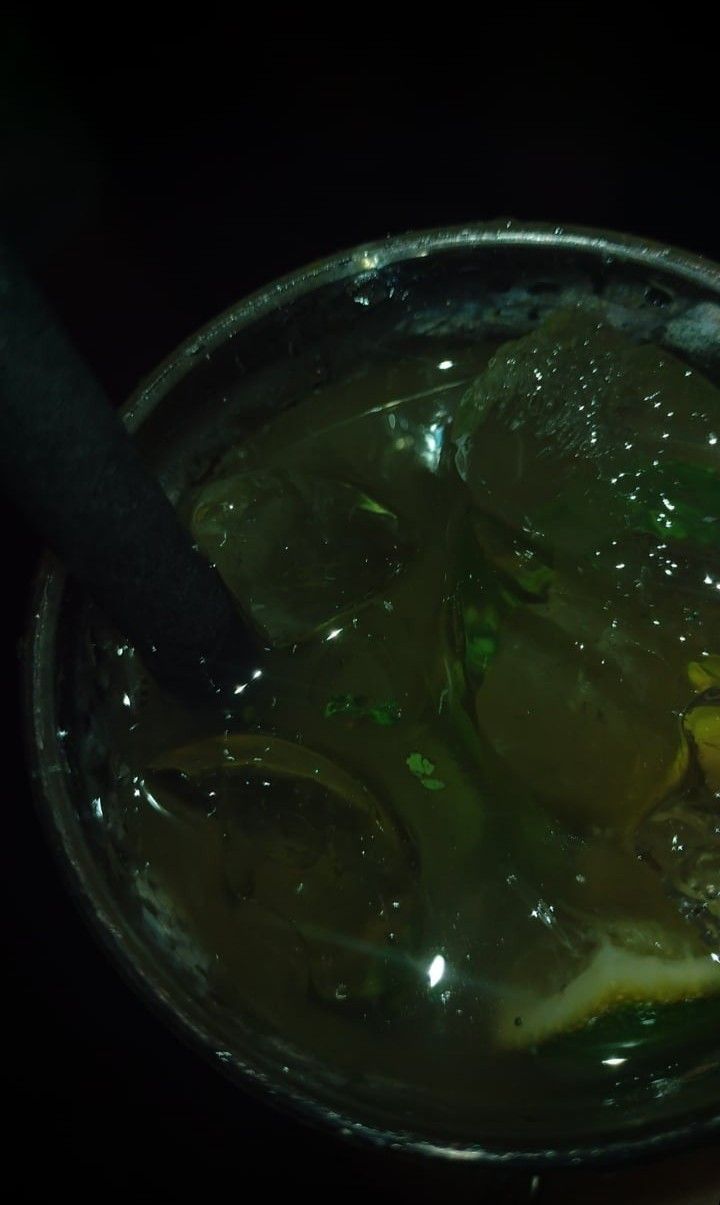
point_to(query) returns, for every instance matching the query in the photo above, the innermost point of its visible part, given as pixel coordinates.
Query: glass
(263, 355)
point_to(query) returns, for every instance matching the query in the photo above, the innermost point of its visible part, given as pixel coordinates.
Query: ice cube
(297, 550)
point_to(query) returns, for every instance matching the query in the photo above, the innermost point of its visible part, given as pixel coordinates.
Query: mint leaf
(356, 707)
(419, 765)
(678, 501)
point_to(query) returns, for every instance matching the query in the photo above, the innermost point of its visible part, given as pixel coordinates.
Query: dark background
(152, 176)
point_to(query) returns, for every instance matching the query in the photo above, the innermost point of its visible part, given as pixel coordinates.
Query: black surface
(152, 177)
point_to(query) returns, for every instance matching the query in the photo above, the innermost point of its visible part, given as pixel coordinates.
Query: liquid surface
(461, 822)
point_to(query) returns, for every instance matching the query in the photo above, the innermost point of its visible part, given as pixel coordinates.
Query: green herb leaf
(356, 707)
(679, 502)
(419, 765)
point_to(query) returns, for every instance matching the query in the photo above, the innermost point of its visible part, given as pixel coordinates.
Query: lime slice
(614, 977)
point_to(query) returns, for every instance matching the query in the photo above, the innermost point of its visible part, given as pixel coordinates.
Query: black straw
(69, 464)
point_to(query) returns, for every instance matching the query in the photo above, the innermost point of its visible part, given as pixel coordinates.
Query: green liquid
(474, 761)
